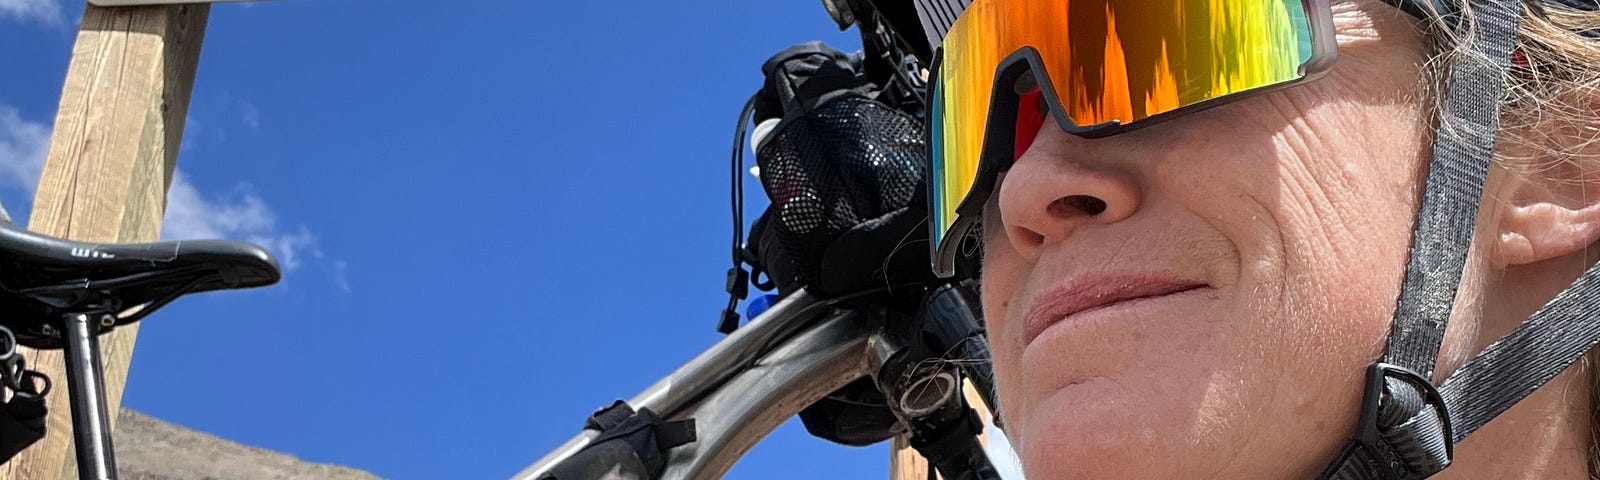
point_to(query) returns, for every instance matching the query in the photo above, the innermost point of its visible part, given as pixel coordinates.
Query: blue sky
(496, 217)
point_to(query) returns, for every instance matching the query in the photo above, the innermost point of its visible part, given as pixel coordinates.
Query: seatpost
(91, 427)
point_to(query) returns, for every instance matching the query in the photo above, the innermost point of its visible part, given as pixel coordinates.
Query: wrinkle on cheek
(1293, 195)
(1345, 174)
(1317, 211)
(1329, 172)
(1268, 271)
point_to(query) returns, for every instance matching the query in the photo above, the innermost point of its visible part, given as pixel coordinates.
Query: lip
(1079, 296)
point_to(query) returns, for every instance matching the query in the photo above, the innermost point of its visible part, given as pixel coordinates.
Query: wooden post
(906, 464)
(111, 161)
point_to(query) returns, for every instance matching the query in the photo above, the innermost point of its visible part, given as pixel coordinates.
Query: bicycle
(842, 163)
(62, 294)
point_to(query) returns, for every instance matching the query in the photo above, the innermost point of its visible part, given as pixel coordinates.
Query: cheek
(1323, 237)
(1003, 271)
(1342, 211)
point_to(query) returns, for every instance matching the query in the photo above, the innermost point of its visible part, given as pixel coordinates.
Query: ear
(1543, 220)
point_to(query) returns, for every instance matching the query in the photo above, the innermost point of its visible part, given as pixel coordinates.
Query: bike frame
(745, 386)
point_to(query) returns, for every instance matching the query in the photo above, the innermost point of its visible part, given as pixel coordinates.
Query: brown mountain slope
(150, 449)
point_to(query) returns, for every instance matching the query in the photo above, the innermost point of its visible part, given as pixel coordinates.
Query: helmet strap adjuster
(1404, 431)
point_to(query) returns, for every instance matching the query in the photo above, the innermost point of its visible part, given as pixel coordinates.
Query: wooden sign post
(111, 160)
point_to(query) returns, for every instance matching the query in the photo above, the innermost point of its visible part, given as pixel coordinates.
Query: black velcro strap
(1538, 350)
(632, 444)
(675, 434)
(607, 418)
(650, 437)
(22, 417)
(21, 423)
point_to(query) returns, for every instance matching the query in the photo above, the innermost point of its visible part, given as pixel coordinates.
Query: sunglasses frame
(1000, 130)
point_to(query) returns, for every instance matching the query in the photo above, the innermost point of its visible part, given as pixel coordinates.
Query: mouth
(1079, 297)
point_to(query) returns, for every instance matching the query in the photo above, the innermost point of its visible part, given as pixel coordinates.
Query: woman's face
(1199, 299)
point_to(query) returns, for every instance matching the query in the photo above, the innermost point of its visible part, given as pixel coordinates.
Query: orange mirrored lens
(1105, 61)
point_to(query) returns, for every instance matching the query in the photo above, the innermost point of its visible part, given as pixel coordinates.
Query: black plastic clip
(1402, 434)
(738, 283)
(738, 288)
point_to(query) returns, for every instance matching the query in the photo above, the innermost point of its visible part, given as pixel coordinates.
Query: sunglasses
(1099, 67)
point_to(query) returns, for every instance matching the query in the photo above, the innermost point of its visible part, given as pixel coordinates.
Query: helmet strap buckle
(1404, 431)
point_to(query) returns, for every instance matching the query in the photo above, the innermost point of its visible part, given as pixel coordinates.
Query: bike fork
(91, 425)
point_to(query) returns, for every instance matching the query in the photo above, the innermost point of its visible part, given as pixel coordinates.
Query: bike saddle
(43, 278)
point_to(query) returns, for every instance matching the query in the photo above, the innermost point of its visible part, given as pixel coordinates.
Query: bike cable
(738, 283)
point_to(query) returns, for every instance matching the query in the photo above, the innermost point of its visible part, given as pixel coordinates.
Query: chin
(1095, 463)
(1099, 430)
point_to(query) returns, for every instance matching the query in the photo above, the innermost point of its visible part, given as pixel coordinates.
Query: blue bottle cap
(759, 305)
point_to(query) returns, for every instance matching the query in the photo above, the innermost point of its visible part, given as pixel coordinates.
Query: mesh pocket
(846, 161)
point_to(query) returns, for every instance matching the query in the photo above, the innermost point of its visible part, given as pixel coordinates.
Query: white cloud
(222, 111)
(245, 111)
(23, 146)
(48, 11)
(239, 215)
(192, 129)
(341, 275)
(249, 115)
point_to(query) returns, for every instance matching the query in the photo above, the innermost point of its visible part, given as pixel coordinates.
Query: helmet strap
(1408, 427)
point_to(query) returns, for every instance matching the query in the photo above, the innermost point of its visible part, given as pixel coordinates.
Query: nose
(1049, 193)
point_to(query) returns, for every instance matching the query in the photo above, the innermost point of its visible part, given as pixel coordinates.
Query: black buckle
(1370, 450)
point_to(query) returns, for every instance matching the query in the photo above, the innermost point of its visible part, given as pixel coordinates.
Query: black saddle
(43, 278)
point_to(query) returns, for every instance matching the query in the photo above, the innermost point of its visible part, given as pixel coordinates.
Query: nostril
(1077, 206)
